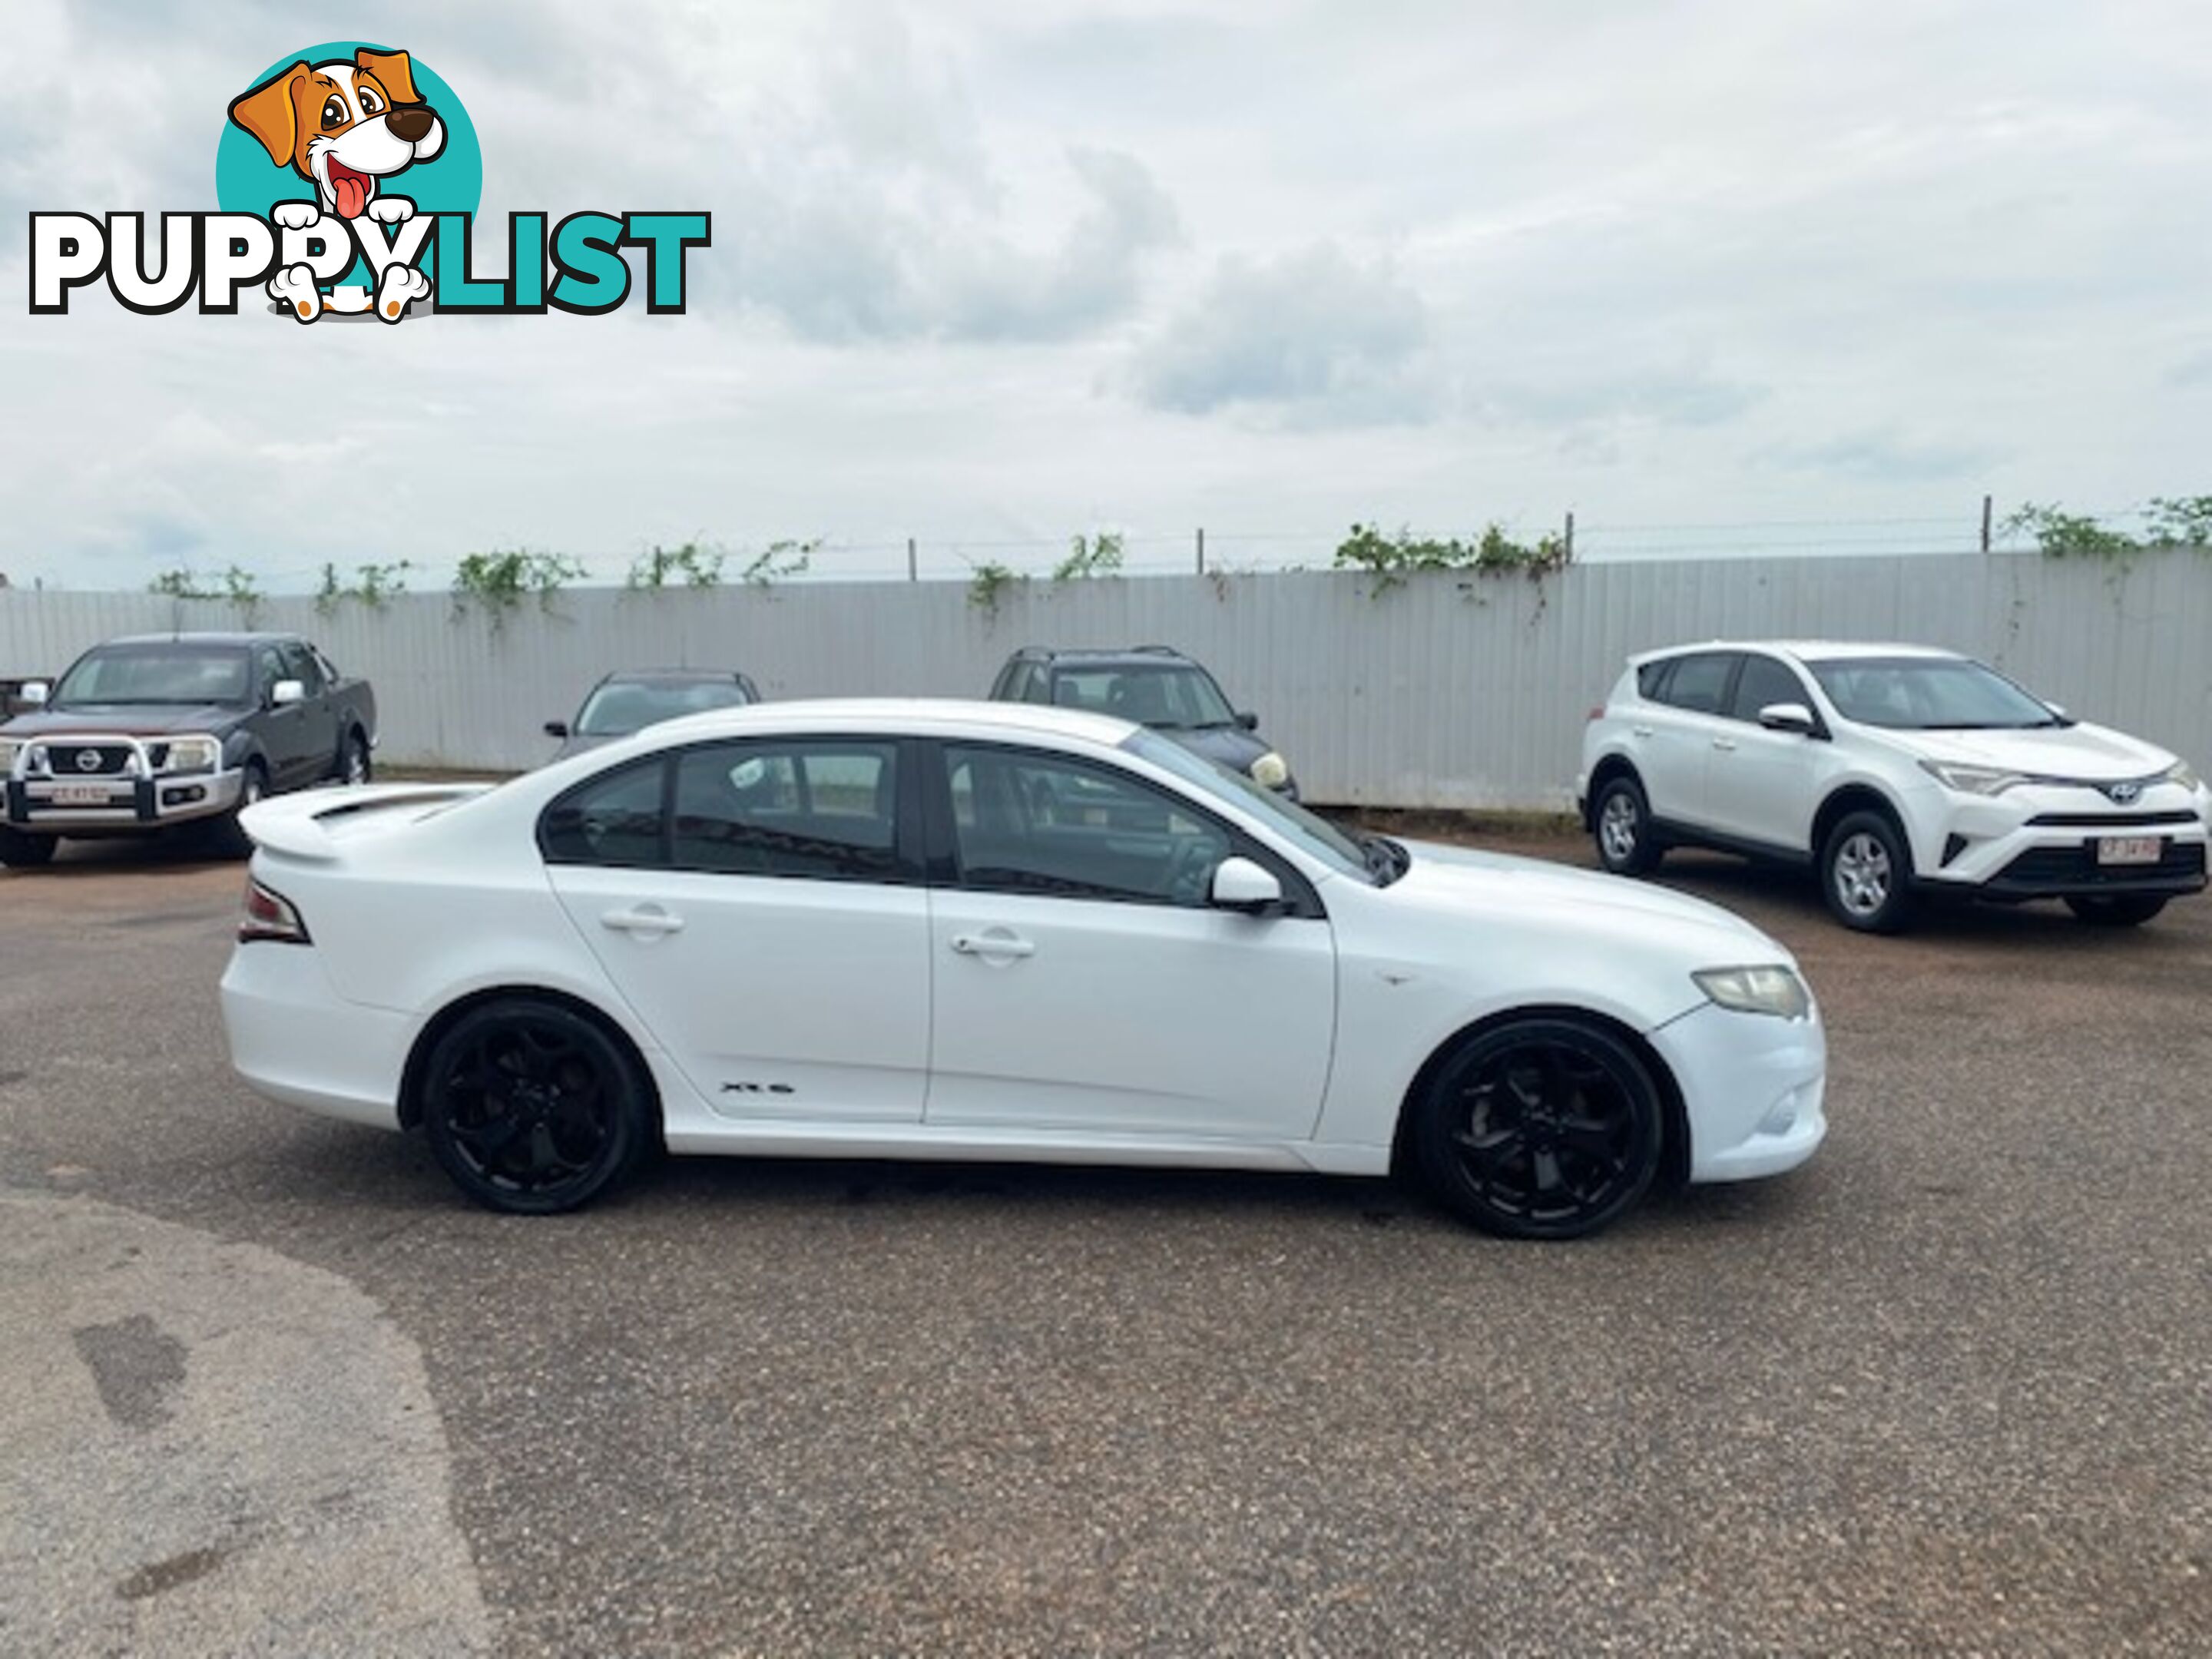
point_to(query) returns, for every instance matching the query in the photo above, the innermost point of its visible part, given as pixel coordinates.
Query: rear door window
(1699, 682)
(822, 808)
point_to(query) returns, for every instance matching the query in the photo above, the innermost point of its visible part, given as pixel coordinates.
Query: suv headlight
(1271, 771)
(9, 748)
(192, 755)
(1973, 780)
(2178, 773)
(1769, 990)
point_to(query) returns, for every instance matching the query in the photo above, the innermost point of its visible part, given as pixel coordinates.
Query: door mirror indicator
(1241, 885)
(1787, 717)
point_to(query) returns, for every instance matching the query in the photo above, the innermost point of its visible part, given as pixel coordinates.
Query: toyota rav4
(1893, 772)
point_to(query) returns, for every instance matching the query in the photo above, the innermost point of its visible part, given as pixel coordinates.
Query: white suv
(1893, 771)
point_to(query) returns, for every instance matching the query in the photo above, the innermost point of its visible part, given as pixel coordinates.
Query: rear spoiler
(299, 826)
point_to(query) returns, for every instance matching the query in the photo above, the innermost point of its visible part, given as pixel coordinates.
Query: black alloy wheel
(531, 1108)
(1544, 1127)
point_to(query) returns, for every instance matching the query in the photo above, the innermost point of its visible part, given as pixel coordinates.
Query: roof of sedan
(918, 714)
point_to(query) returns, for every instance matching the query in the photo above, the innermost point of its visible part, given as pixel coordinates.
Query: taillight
(268, 915)
(1596, 713)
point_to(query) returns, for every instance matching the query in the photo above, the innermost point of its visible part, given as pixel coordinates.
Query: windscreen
(618, 710)
(1928, 694)
(141, 675)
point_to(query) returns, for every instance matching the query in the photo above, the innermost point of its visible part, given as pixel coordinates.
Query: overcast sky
(988, 273)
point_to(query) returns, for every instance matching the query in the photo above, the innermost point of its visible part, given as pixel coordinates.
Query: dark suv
(1154, 685)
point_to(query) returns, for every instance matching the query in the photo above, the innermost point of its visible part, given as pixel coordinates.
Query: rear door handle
(1724, 743)
(994, 944)
(644, 921)
(1641, 731)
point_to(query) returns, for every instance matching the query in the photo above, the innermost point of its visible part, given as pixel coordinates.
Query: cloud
(1312, 335)
(1676, 396)
(1886, 457)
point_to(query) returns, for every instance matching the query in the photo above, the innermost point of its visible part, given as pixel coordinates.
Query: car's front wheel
(1622, 821)
(1542, 1127)
(531, 1108)
(2116, 909)
(24, 850)
(1866, 874)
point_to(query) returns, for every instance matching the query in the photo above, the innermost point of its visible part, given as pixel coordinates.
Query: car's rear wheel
(354, 765)
(1622, 825)
(2116, 909)
(24, 850)
(1544, 1127)
(1866, 874)
(531, 1108)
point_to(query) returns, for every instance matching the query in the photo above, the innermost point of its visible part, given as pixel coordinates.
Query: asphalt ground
(268, 1385)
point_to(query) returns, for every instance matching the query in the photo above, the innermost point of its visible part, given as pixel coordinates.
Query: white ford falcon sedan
(979, 931)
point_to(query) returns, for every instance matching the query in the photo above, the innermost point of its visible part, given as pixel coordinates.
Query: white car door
(751, 901)
(1083, 982)
(1760, 785)
(1676, 728)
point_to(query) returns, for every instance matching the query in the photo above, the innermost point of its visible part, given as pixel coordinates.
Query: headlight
(1973, 780)
(1774, 990)
(193, 755)
(2178, 773)
(1271, 771)
(9, 748)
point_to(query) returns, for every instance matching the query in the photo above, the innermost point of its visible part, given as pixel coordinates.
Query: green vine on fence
(692, 565)
(2168, 521)
(779, 561)
(501, 581)
(1095, 556)
(989, 585)
(1390, 560)
(373, 586)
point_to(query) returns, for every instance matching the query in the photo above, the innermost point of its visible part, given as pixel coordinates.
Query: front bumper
(118, 806)
(1753, 1088)
(2041, 841)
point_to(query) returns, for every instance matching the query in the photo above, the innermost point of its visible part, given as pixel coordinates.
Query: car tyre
(230, 834)
(1866, 873)
(24, 850)
(1542, 1127)
(354, 765)
(2115, 909)
(1621, 822)
(531, 1108)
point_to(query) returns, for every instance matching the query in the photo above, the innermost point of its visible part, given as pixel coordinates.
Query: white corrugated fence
(1445, 691)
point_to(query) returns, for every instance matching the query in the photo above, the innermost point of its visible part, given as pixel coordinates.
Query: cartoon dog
(343, 126)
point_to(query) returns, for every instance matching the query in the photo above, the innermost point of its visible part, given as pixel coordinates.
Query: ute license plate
(2130, 849)
(81, 794)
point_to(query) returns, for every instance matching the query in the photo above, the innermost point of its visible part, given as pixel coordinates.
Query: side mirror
(557, 728)
(2057, 708)
(1787, 717)
(35, 694)
(1248, 720)
(285, 693)
(1241, 885)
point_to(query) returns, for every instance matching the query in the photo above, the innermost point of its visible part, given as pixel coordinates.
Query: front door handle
(1724, 743)
(995, 943)
(644, 921)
